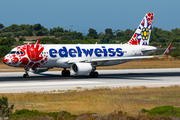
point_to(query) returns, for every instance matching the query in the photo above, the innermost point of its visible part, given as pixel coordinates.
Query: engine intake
(81, 68)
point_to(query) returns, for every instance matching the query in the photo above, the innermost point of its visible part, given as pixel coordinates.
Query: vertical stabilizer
(142, 33)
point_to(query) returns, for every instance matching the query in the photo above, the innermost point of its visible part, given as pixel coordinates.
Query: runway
(13, 82)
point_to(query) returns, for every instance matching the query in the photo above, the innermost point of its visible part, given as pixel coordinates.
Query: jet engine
(81, 68)
(39, 70)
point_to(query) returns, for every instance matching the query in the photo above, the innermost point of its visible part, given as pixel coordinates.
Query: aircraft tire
(65, 73)
(93, 74)
(25, 76)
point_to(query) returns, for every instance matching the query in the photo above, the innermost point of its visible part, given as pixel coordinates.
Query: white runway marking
(48, 81)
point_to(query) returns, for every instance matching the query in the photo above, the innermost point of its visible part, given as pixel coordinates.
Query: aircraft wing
(120, 58)
(115, 59)
(130, 58)
(147, 52)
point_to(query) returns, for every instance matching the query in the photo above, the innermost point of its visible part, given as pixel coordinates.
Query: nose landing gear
(26, 75)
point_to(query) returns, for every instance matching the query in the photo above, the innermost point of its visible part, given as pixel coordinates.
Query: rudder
(142, 33)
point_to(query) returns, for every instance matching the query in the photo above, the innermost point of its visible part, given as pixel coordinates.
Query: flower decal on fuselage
(26, 56)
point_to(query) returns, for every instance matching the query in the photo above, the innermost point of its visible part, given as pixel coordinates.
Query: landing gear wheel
(26, 73)
(65, 73)
(25, 76)
(93, 74)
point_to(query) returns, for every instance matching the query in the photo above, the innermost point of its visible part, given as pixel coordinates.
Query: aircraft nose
(5, 60)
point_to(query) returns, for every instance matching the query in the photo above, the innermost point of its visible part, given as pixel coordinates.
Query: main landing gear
(93, 74)
(26, 73)
(65, 73)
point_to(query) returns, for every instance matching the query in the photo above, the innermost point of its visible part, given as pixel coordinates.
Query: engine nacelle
(81, 68)
(39, 70)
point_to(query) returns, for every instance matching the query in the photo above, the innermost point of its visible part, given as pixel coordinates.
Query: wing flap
(115, 59)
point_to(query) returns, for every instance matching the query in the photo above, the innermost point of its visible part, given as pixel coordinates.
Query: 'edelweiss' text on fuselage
(99, 52)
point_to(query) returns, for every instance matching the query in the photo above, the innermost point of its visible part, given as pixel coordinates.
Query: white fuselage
(61, 55)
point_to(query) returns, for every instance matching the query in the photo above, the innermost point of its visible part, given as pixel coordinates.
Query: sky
(85, 14)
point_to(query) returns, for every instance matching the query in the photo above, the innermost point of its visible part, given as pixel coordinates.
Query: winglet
(167, 50)
(37, 42)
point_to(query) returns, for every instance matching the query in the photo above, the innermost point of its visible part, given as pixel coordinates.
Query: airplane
(83, 59)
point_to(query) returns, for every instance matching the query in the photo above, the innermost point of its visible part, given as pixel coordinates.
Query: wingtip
(37, 42)
(168, 49)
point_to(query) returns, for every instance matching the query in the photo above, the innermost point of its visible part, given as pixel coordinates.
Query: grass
(98, 100)
(162, 62)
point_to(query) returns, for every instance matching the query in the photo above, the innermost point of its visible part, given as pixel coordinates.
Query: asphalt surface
(13, 82)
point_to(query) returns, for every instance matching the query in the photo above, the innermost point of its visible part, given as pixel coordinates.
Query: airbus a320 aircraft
(83, 58)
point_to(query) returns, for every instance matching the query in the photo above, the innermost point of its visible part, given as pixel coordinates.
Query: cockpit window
(18, 52)
(21, 52)
(13, 52)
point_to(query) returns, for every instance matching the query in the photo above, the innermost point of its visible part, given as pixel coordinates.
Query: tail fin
(142, 33)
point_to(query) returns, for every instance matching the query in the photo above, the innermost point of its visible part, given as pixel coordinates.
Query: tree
(7, 41)
(58, 34)
(49, 41)
(25, 27)
(24, 33)
(22, 39)
(12, 28)
(104, 39)
(65, 37)
(1, 26)
(17, 34)
(4, 50)
(128, 32)
(55, 30)
(29, 33)
(176, 32)
(41, 33)
(77, 35)
(92, 33)
(5, 110)
(15, 27)
(109, 32)
(37, 27)
(119, 33)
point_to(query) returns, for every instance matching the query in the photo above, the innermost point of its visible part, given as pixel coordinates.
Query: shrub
(5, 110)
(65, 114)
(175, 54)
(144, 110)
(31, 114)
(165, 110)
